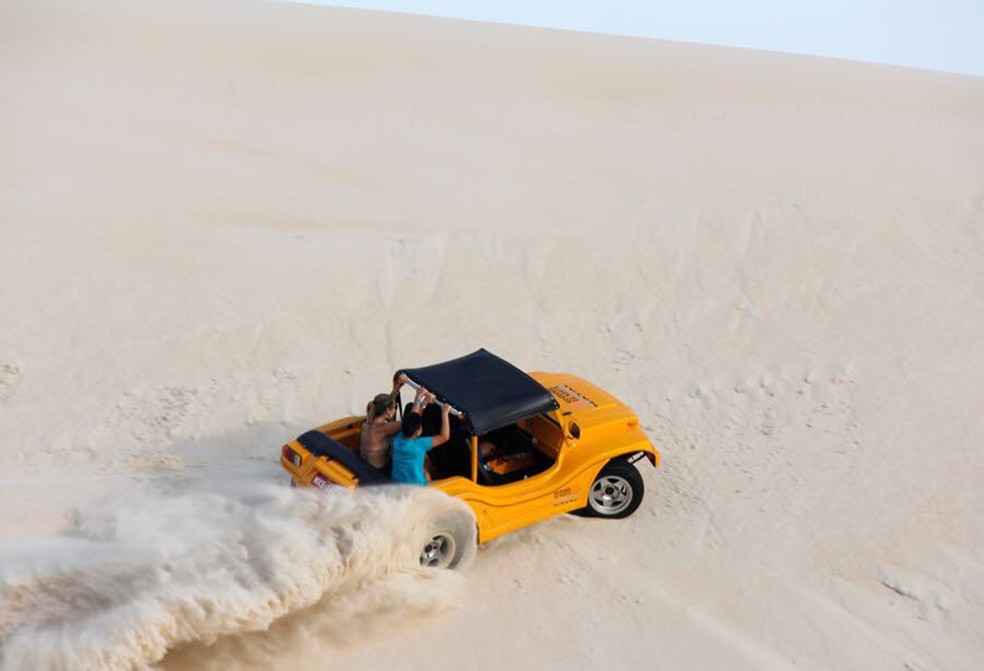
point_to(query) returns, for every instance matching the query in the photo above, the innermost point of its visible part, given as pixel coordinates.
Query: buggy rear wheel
(439, 551)
(450, 541)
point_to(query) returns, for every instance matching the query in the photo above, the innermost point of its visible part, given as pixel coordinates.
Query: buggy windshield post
(474, 458)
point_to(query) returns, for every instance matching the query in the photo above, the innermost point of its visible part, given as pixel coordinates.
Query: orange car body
(588, 429)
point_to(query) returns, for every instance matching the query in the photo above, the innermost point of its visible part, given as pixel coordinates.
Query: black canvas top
(490, 391)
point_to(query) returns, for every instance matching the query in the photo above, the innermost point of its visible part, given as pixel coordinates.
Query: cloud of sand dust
(143, 575)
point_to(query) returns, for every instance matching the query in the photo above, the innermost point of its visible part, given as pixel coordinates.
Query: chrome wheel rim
(438, 551)
(610, 495)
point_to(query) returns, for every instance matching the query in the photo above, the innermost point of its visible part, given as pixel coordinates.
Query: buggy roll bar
(416, 387)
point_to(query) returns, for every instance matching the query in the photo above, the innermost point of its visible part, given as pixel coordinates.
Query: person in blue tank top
(410, 448)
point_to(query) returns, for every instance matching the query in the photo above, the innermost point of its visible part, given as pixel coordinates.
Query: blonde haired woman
(380, 425)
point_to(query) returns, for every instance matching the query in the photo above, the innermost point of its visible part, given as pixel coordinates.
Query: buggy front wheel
(616, 492)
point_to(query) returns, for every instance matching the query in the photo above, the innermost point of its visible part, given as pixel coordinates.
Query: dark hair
(411, 424)
(379, 405)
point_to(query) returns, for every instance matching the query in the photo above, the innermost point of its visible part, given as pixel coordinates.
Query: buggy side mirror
(573, 430)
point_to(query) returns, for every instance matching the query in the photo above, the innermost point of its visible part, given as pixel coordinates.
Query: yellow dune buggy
(561, 444)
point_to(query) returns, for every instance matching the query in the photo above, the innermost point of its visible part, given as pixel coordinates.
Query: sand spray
(140, 576)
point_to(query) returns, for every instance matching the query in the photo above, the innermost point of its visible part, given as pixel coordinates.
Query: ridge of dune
(223, 223)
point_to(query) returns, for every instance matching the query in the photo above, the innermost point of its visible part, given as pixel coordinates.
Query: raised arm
(422, 398)
(399, 380)
(445, 427)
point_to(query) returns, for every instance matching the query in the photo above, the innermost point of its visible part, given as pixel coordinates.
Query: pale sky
(943, 35)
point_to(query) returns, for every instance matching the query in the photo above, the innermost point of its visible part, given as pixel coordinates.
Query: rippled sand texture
(225, 223)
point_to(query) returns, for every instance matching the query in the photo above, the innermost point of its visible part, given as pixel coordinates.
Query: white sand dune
(222, 224)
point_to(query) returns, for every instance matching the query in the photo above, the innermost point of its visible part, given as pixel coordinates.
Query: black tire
(616, 493)
(450, 542)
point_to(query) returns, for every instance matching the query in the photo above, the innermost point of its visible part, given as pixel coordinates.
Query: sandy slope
(222, 225)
